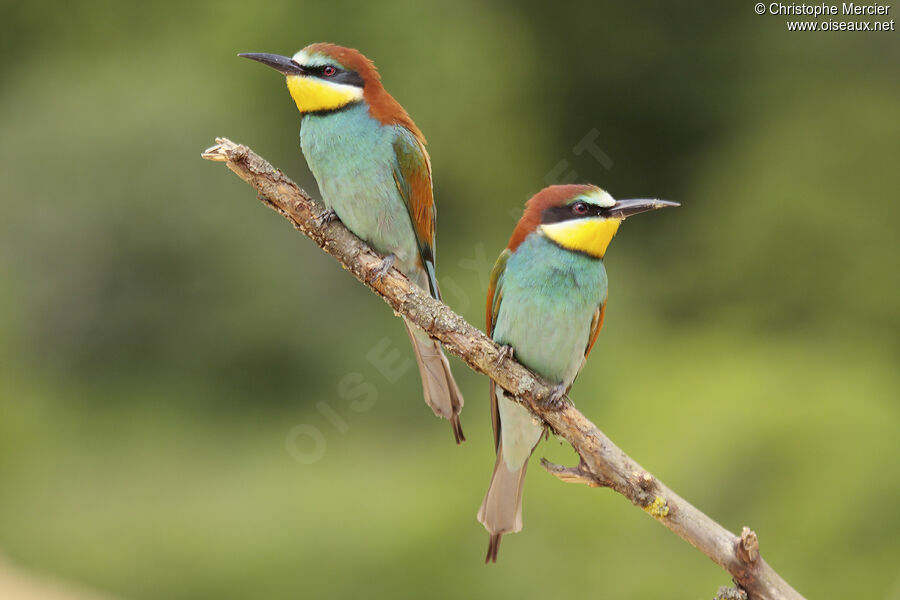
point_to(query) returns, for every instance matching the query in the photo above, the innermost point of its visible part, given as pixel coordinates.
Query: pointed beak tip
(283, 64)
(657, 204)
(626, 208)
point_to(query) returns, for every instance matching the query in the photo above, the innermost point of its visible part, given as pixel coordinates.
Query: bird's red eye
(329, 71)
(580, 208)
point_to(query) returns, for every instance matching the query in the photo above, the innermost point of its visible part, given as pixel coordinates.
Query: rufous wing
(494, 298)
(412, 174)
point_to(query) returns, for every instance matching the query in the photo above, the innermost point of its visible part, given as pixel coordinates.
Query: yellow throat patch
(312, 94)
(591, 236)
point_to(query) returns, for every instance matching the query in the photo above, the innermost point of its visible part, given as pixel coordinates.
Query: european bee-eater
(370, 162)
(546, 302)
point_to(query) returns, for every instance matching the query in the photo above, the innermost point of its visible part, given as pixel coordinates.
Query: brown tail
(441, 392)
(501, 511)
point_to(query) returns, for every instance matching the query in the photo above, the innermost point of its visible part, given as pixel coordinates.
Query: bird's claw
(326, 216)
(505, 352)
(555, 399)
(386, 263)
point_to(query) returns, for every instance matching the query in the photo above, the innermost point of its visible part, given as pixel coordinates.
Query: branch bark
(603, 464)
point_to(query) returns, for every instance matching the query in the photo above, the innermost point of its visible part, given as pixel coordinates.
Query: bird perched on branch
(545, 303)
(374, 173)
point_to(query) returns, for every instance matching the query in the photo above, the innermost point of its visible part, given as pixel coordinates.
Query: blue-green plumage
(370, 162)
(353, 159)
(549, 299)
(546, 301)
(373, 171)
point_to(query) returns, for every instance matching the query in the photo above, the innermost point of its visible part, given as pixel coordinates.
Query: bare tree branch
(602, 463)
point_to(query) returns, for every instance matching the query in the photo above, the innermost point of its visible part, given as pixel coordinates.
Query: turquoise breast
(352, 158)
(549, 299)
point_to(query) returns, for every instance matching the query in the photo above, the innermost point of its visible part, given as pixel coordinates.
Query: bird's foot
(555, 400)
(386, 263)
(326, 216)
(505, 352)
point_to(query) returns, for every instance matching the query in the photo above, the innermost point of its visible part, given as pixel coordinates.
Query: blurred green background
(168, 346)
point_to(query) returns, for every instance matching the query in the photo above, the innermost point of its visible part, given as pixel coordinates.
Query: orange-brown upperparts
(555, 195)
(382, 106)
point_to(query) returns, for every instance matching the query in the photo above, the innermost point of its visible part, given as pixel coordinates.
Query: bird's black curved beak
(625, 208)
(282, 64)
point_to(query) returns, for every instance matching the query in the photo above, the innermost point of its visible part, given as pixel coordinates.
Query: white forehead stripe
(312, 60)
(599, 198)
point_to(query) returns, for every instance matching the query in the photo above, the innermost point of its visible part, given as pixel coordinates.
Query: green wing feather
(596, 326)
(412, 174)
(494, 297)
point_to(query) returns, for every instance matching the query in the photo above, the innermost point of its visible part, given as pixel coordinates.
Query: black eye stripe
(339, 76)
(557, 214)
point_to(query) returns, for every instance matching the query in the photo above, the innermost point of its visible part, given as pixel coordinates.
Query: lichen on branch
(602, 464)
